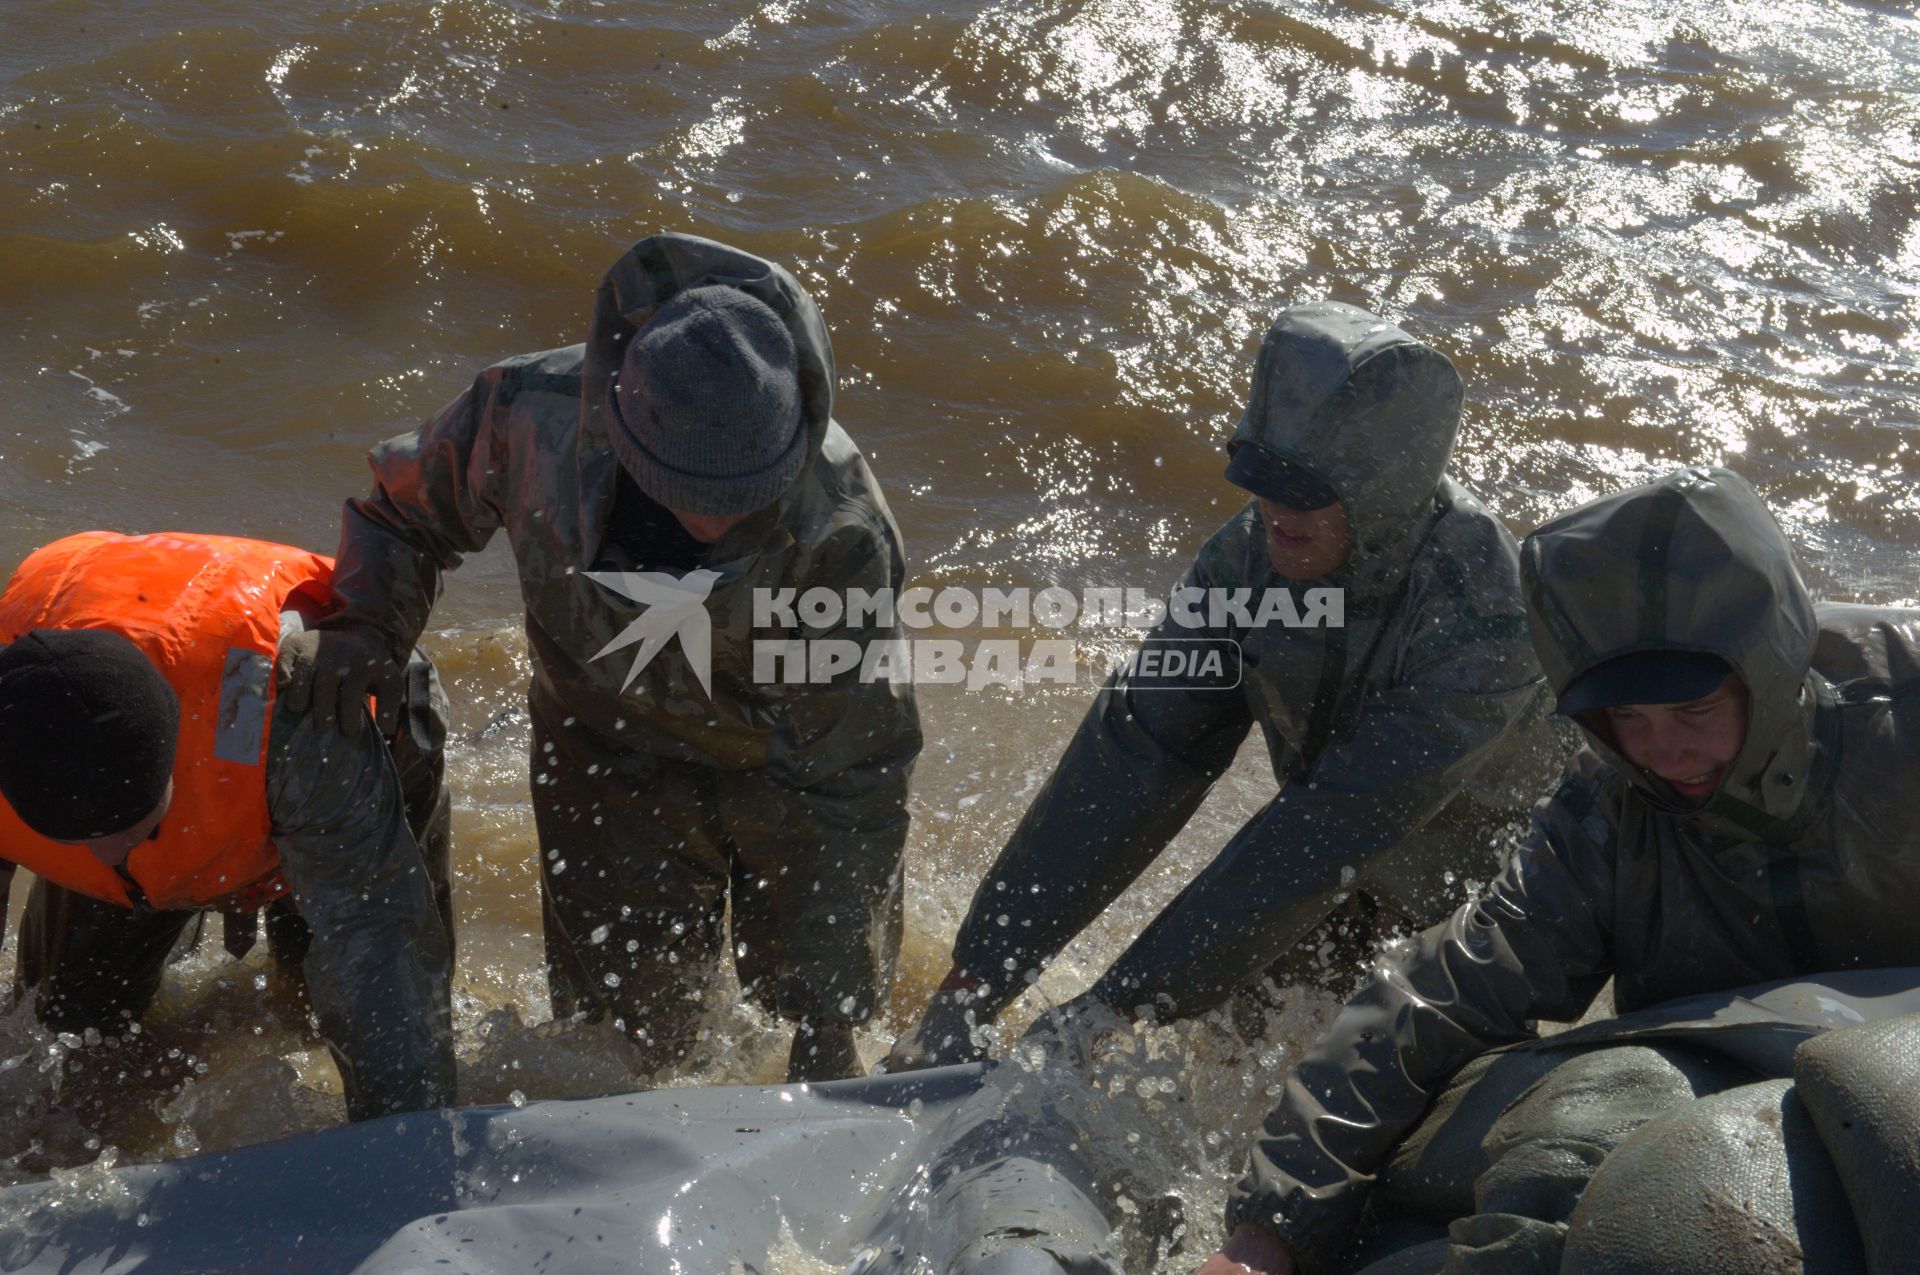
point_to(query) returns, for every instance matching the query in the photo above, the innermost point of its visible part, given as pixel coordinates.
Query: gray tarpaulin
(874, 1174)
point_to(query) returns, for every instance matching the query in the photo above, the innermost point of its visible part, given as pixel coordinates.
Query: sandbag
(1503, 1244)
(1431, 1173)
(1861, 1085)
(1569, 1106)
(1542, 1179)
(1485, 1244)
(1512, 1145)
(1733, 1184)
(1421, 1259)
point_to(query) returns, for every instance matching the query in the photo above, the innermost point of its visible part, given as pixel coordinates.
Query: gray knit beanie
(705, 413)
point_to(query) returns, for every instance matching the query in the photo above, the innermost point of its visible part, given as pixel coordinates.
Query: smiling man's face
(1690, 745)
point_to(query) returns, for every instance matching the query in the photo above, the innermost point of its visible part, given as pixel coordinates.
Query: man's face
(1306, 544)
(113, 850)
(1689, 745)
(708, 528)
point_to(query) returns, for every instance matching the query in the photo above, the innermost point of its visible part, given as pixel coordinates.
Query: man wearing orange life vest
(148, 773)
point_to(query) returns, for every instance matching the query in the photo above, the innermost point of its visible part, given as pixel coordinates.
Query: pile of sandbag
(1773, 1132)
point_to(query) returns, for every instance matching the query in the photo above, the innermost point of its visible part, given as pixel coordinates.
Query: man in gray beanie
(652, 482)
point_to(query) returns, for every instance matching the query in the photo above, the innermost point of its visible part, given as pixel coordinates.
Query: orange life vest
(206, 611)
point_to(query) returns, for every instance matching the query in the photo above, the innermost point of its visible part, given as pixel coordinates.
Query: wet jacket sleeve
(1133, 774)
(437, 494)
(1537, 945)
(380, 967)
(1409, 750)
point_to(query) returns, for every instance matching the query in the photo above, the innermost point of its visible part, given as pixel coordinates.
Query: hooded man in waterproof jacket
(150, 773)
(1743, 812)
(654, 483)
(1406, 735)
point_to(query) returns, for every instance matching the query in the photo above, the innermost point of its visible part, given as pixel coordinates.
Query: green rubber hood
(1367, 410)
(1692, 562)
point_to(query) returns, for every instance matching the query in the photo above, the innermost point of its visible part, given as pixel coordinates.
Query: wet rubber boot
(822, 1051)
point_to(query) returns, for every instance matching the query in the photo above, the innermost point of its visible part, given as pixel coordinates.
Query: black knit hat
(88, 728)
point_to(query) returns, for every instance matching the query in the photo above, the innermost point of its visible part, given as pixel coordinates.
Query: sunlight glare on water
(239, 244)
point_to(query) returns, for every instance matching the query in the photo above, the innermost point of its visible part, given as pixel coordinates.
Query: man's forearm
(381, 579)
(1112, 804)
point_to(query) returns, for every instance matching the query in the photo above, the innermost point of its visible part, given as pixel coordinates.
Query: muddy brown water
(240, 242)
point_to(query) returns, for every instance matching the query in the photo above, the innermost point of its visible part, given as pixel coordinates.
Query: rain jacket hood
(1368, 410)
(1692, 562)
(646, 277)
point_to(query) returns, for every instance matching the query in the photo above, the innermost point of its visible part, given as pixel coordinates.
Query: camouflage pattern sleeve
(437, 494)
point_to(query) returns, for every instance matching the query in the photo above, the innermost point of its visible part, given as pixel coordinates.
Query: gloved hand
(1081, 1033)
(331, 672)
(942, 1037)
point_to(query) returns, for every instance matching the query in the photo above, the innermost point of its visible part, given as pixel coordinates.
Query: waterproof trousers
(640, 857)
(89, 963)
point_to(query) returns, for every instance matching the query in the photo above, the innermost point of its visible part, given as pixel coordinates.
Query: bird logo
(676, 607)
